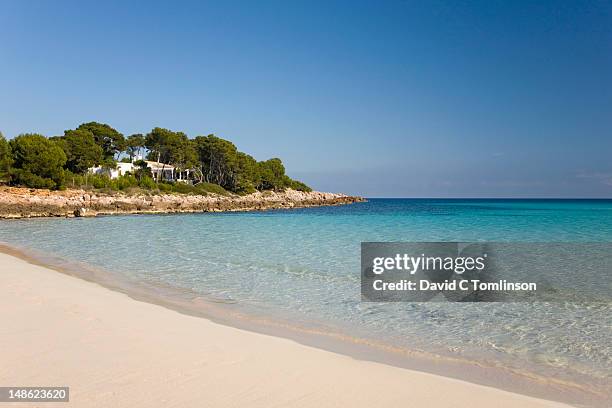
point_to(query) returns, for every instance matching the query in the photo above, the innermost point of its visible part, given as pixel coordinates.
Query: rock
(80, 203)
(80, 212)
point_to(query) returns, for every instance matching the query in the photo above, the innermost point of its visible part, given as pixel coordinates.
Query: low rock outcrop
(25, 203)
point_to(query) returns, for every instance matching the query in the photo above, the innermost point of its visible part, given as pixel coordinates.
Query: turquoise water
(304, 265)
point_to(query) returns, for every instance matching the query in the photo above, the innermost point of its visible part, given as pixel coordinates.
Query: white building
(120, 170)
(159, 171)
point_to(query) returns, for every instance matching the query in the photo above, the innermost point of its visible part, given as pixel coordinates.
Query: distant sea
(303, 266)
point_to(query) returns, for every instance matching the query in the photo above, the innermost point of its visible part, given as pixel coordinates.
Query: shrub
(98, 180)
(205, 188)
(298, 185)
(147, 182)
(182, 188)
(26, 178)
(164, 187)
(123, 182)
(74, 180)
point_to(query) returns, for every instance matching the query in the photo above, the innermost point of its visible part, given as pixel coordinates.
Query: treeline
(33, 160)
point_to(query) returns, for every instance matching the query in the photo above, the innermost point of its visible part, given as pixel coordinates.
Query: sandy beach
(112, 350)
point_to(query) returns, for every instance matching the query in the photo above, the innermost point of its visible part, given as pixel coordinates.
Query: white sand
(114, 351)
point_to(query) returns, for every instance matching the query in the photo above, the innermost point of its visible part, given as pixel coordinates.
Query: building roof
(158, 166)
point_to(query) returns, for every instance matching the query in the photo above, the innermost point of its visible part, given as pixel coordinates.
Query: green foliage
(135, 143)
(147, 182)
(99, 181)
(204, 188)
(296, 185)
(6, 159)
(175, 148)
(130, 183)
(81, 150)
(221, 163)
(184, 188)
(247, 174)
(272, 175)
(124, 182)
(211, 163)
(165, 187)
(29, 179)
(38, 162)
(109, 139)
(218, 160)
(142, 170)
(74, 180)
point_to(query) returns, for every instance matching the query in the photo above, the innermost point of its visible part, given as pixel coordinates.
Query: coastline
(362, 353)
(17, 202)
(69, 324)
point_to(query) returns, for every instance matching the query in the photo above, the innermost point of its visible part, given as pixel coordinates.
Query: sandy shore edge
(115, 351)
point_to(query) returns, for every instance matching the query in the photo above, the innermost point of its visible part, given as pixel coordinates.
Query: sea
(302, 267)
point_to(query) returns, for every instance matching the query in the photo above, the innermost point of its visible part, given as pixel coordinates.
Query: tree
(6, 159)
(135, 143)
(81, 150)
(142, 170)
(156, 141)
(218, 159)
(247, 174)
(38, 162)
(181, 152)
(110, 140)
(221, 163)
(166, 146)
(272, 175)
(171, 148)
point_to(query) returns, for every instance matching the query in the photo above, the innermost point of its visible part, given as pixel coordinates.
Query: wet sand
(112, 350)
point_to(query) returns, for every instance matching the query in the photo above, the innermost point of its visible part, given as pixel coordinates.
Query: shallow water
(304, 265)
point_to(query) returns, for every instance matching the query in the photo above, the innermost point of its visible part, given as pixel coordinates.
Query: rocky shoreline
(26, 203)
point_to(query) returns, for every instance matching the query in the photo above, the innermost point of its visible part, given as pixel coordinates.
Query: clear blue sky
(397, 98)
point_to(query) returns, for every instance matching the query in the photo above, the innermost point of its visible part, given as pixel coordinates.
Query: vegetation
(171, 148)
(133, 184)
(37, 161)
(81, 150)
(111, 141)
(6, 159)
(135, 143)
(206, 164)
